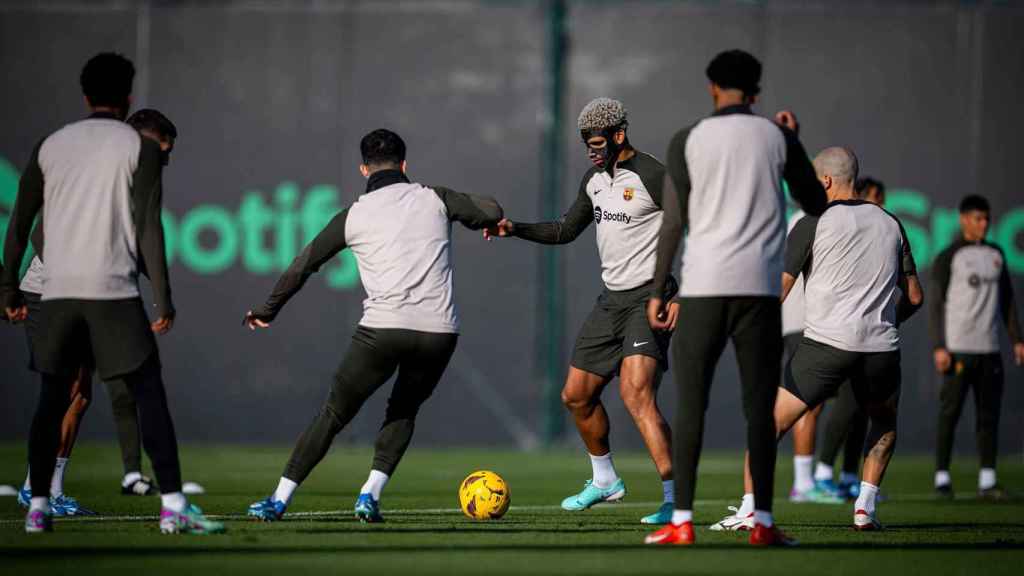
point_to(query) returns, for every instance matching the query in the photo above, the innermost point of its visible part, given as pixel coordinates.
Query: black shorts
(617, 327)
(816, 371)
(112, 335)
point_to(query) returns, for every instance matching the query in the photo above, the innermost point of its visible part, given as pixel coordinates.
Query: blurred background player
(624, 185)
(154, 125)
(847, 424)
(400, 234)
(973, 295)
(724, 186)
(101, 184)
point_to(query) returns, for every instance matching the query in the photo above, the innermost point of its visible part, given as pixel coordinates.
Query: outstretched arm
(561, 231)
(474, 212)
(325, 246)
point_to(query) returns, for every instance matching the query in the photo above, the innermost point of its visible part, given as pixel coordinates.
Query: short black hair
(864, 184)
(736, 69)
(107, 80)
(974, 202)
(154, 121)
(382, 147)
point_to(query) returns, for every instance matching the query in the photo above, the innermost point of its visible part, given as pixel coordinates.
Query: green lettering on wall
(218, 221)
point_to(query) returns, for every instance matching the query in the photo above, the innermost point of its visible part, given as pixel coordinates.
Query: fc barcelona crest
(627, 194)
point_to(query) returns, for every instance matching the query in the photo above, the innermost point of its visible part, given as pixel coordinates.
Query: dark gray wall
(272, 93)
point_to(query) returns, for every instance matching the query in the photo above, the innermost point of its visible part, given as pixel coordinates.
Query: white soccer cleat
(864, 522)
(734, 522)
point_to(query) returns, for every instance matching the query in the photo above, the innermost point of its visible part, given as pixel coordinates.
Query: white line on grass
(429, 511)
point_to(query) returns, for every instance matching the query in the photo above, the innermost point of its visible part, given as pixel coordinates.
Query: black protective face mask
(603, 157)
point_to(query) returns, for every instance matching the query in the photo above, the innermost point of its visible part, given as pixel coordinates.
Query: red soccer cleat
(764, 536)
(672, 534)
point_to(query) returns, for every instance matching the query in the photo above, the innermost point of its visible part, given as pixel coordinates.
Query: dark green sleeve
(565, 229)
(675, 198)
(26, 206)
(325, 246)
(1007, 305)
(473, 212)
(937, 297)
(147, 196)
(799, 173)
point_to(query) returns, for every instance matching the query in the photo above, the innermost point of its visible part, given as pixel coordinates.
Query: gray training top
(972, 292)
(725, 188)
(854, 259)
(626, 208)
(97, 182)
(400, 234)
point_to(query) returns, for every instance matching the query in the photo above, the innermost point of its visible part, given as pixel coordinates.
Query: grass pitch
(426, 534)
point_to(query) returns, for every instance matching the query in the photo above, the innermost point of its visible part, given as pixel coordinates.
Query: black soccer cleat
(996, 492)
(944, 492)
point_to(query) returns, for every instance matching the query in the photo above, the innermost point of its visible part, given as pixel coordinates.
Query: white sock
(604, 470)
(39, 503)
(174, 501)
(986, 478)
(131, 478)
(746, 506)
(942, 478)
(682, 516)
(668, 491)
(847, 478)
(374, 484)
(822, 472)
(28, 481)
(284, 491)
(57, 482)
(866, 500)
(802, 478)
(763, 518)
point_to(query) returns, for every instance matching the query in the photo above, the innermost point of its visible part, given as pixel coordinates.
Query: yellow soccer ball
(484, 495)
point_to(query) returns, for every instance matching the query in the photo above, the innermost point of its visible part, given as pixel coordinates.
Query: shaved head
(838, 163)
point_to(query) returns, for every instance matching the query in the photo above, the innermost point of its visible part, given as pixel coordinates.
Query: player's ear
(620, 137)
(364, 170)
(403, 166)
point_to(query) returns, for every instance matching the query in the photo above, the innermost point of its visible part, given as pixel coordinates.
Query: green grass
(425, 534)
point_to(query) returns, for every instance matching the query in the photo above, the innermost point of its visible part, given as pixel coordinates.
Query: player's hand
(1018, 353)
(162, 325)
(253, 322)
(15, 315)
(943, 360)
(500, 230)
(788, 119)
(659, 317)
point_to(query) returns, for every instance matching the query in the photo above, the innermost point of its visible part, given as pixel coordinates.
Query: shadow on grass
(144, 551)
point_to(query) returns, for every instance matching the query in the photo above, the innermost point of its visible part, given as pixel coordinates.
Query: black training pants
(126, 419)
(984, 374)
(372, 358)
(754, 324)
(847, 422)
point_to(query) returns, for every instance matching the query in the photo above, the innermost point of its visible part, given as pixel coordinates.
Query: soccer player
(860, 285)
(973, 296)
(724, 186)
(154, 125)
(100, 183)
(847, 424)
(621, 194)
(400, 233)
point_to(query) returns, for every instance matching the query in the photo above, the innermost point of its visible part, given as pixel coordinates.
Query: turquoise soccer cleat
(368, 509)
(65, 505)
(593, 495)
(267, 510)
(662, 516)
(191, 521)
